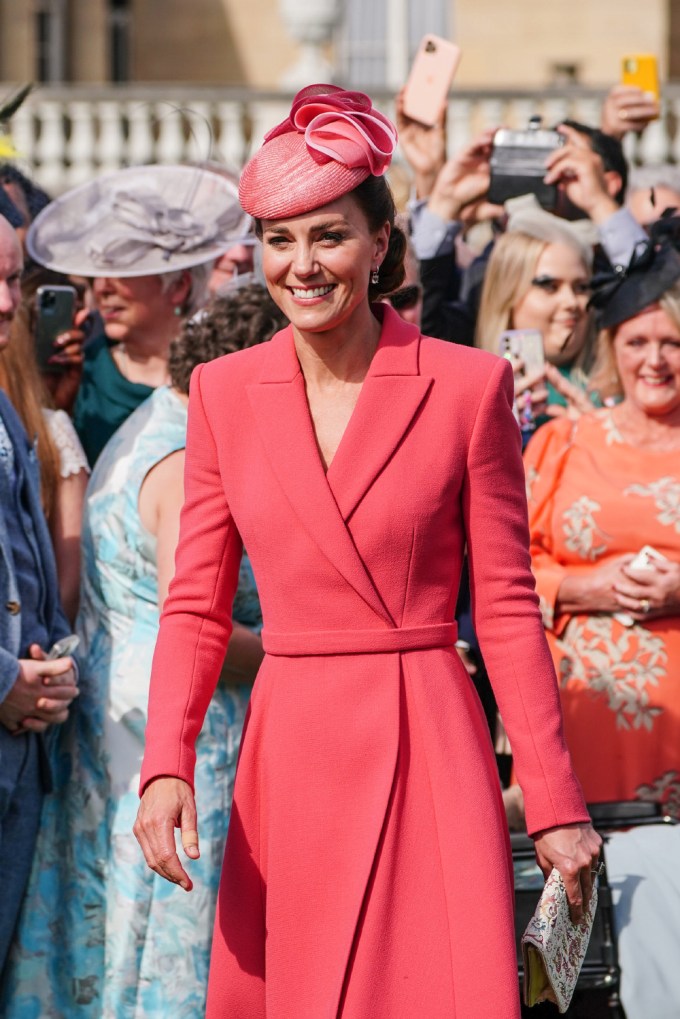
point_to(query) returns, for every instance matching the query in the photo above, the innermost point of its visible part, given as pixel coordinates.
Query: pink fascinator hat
(331, 141)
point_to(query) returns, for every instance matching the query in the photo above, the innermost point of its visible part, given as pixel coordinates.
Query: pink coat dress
(367, 870)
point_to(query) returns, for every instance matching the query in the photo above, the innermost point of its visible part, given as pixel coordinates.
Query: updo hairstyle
(374, 198)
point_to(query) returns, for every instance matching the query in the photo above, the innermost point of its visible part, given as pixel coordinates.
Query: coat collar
(396, 354)
(391, 395)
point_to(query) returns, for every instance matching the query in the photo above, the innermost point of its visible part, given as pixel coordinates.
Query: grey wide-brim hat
(141, 221)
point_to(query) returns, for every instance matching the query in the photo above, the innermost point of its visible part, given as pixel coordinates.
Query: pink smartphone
(430, 79)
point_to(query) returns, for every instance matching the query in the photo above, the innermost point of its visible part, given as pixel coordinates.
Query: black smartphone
(55, 308)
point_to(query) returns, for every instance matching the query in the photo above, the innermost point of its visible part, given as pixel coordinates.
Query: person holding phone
(146, 280)
(35, 694)
(601, 488)
(538, 279)
(139, 945)
(367, 867)
(63, 465)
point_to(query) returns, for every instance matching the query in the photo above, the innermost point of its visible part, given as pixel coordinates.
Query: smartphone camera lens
(47, 301)
(430, 46)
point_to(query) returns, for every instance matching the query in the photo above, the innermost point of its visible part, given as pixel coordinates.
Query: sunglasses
(405, 297)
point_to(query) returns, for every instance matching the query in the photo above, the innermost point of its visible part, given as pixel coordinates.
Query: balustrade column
(140, 133)
(231, 143)
(82, 143)
(170, 144)
(50, 148)
(111, 152)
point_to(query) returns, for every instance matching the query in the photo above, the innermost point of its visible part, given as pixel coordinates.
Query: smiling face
(11, 264)
(133, 309)
(555, 303)
(647, 354)
(317, 265)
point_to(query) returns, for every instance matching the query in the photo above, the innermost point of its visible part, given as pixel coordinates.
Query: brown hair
(376, 201)
(243, 318)
(20, 379)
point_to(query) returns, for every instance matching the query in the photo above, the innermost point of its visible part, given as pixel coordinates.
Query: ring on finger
(645, 605)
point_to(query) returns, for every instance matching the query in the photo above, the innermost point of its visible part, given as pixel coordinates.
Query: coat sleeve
(544, 461)
(195, 624)
(506, 613)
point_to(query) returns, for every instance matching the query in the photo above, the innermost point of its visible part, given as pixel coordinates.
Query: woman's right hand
(424, 148)
(594, 591)
(167, 803)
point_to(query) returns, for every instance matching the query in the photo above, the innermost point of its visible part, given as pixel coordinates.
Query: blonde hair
(21, 381)
(511, 268)
(605, 378)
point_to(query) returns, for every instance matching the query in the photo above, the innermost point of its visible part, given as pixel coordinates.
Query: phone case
(641, 70)
(55, 307)
(646, 558)
(430, 79)
(526, 344)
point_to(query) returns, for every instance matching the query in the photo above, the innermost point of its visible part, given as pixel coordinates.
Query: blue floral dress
(100, 934)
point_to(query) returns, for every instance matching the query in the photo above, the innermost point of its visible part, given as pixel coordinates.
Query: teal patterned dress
(100, 934)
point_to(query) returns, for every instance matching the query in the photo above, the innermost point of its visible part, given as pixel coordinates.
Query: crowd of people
(335, 542)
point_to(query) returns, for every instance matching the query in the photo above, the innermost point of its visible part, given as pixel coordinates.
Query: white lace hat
(140, 221)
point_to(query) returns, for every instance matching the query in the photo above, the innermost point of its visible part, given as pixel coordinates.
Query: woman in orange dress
(600, 489)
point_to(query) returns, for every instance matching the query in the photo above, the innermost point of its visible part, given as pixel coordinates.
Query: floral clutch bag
(553, 948)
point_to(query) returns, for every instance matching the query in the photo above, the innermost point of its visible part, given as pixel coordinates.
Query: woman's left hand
(574, 850)
(652, 593)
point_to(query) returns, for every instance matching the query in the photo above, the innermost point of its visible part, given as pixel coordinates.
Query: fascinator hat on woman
(654, 268)
(331, 142)
(141, 221)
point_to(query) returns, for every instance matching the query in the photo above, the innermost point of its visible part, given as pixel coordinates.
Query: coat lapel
(391, 395)
(279, 404)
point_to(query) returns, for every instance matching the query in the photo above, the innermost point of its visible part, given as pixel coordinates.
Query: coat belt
(360, 642)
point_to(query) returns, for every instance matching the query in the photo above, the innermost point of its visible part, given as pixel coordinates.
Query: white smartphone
(63, 648)
(646, 558)
(643, 562)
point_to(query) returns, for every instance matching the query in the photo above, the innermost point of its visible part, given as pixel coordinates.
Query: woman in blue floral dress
(100, 934)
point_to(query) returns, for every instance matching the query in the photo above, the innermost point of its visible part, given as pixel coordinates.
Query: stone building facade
(249, 43)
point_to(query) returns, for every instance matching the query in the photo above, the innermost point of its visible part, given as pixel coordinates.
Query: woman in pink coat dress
(367, 870)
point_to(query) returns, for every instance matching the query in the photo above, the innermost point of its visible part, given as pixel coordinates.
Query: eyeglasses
(405, 297)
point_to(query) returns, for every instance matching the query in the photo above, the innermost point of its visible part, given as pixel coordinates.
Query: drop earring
(177, 310)
(375, 275)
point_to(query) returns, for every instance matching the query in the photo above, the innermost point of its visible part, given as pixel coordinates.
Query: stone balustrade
(67, 135)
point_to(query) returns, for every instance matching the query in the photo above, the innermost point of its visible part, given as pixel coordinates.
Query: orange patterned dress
(593, 497)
